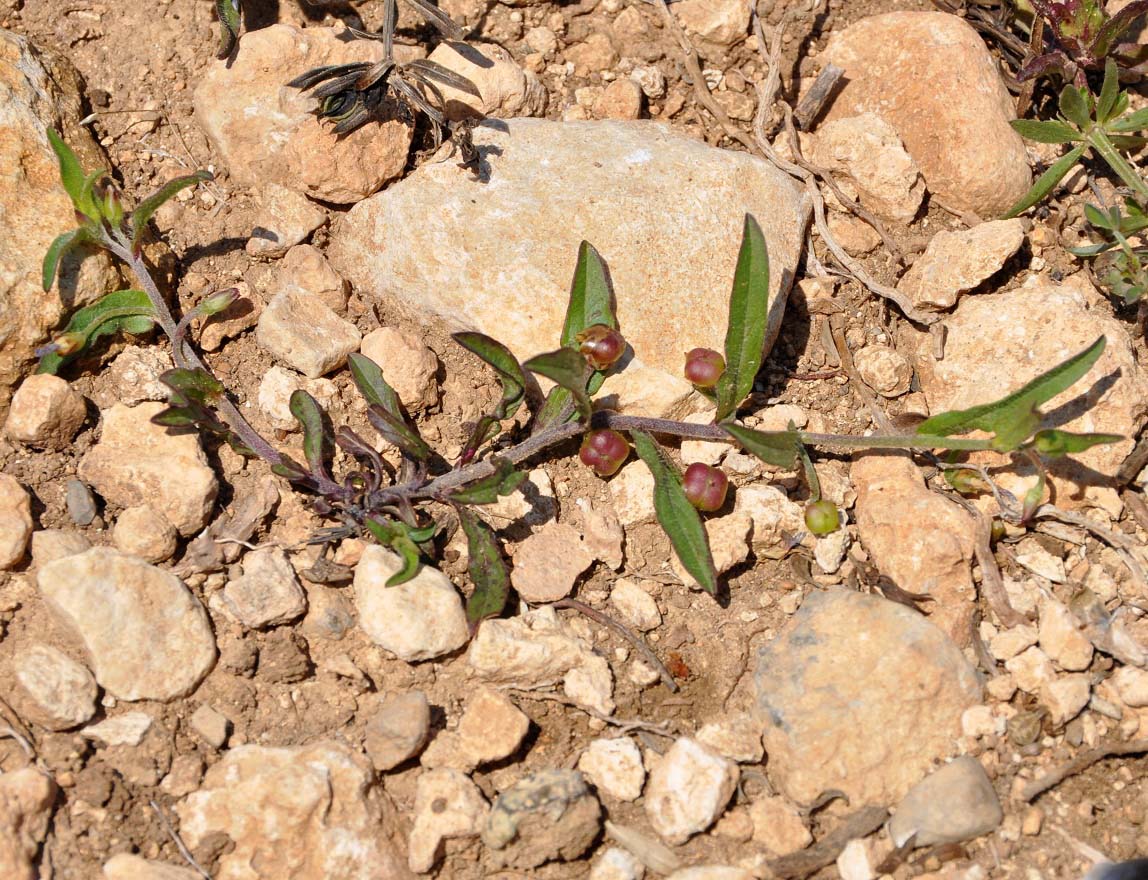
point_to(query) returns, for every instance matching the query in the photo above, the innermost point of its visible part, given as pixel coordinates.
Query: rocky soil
(174, 708)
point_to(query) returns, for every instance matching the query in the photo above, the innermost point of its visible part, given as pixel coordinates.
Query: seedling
(1120, 268)
(404, 509)
(1083, 37)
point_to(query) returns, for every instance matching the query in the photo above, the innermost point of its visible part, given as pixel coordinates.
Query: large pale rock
(689, 789)
(38, 91)
(303, 813)
(720, 23)
(51, 689)
(46, 412)
(918, 538)
(504, 88)
(930, 76)
(861, 695)
(469, 263)
(302, 331)
(265, 130)
(26, 800)
(137, 462)
(147, 635)
(15, 521)
(1029, 330)
(958, 261)
(955, 803)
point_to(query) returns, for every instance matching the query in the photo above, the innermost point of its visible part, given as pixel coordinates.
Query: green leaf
(1048, 180)
(396, 536)
(309, 415)
(1046, 131)
(56, 251)
(590, 301)
(198, 385)
(145, 209)
(228, 12)
(676, 515)
(1014, 418)
(568, 368)
(1098, 218)
(746, 326)
(513, 382)
(399, 432)
(1056, 443)
(1127, 142)
(1091, 250)
(71, 175)
(778, 448)
(503, 481)
(1109, 90)
(371, 384)
(127, 310)
(1074, 106)
(1137, 121)
(487, 569)
(552, 407)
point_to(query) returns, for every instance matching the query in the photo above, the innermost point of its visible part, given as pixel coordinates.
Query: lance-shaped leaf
(435, 71)
(1056, 443)
(778, 448)
(510, 375)
(748, 318)
(316, 443)
(1046, 131)
(1074, 105)
(503, 481)
(228, 12)
(1136, 121)
(73, 178)
(397, 537)
(676, 515)
(57, 251)
(127, 310)
(488, 570)
(568, 368)
(371, 384)
(1109, 91)
(1045, 183)
(145, 209)
(399, 432)
(1014, 418)
(191, 402)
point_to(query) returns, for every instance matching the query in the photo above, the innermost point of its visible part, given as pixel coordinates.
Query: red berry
(704, 367)
(601, 346)
(822, 518)
(604, 451)
(705, 486)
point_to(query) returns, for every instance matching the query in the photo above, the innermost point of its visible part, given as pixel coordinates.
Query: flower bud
(705, 487)
(704, 367)
(602, 346)
(822, 518)
(604, 451)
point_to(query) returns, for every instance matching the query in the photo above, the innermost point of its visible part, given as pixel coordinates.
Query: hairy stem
(1108, 152)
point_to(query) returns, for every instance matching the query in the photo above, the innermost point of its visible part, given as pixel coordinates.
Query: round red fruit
(602, 346)
(604, 451)
(822, 518)
(705, 487)
(704, 367)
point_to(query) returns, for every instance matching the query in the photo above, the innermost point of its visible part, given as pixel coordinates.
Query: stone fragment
(266, 133)
(884, 369)
(830, 550)
(921, 540)
(397, 730)
(957, 262)
(951, 805)
(41, 91)
(407, 364)
(776, 519)
(622, 99)
(632, 492)
(298, 329)
(778, 826)
(537, 649)
(729, 538)
(237, 318)
(146, 533)
(126, 866)
(852, 233)
(531, 504)
(853, 862)
(1030, 330)
(1061, 637)
(1031, 669)
(294, 812)
(868, 150)
(15, 521)
(688, 790)
(447, 806)
(491, 728)
(541, 40)
(418, 620)
(593, 55)
(1066, 697)
(147, 635)
(1007, 643)
(455, 264)
(615, 767)
(133, 377)
(1033, 556)
(26, 800)
(546, 816)
(859, 694)
(137, 462)
(721, 23)
(711, 872)
(547, 564)
(212, 725)
(81, 503)
(285, 219)
(736, 736)
(128, 729)
(46, 412)
(617, 864)
(267, 593)
(276, 388)
(48, 545)
(504, 89)
(602, 534)
(926, 73)
(637, 607)
(304, 267)
(1132, 686)
(51, 689)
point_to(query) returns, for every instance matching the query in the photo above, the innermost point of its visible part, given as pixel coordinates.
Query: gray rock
(861, 695)
(955, 803)
(212, 725)
(267, 593)
(548, 815)
(81, 503)
(459, 261)
(397, 730)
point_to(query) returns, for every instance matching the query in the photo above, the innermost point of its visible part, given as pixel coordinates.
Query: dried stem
(637, 641)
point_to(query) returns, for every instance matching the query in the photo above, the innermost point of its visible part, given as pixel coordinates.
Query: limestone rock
(930, 76)
(447, 806)
(266, 132)
(616, 863)
(38, 91)
(622, 99)
(548, 815)
(884, 369)
(593, 55)
(1061, 637)
(460, 262)
(267, 593)
(418, 620)
(953, 804)
(862, 695)
(133, 377)
(301, 812)
(300, 330)
(615, 767)
(736, 736)
(147, 636)
(721, 23)
(688, 790)
(48, 545)
(26, 800)
(504, 88)
(921, 540)
(128, 729)
(285, 218)
(276, 388)
(778, 826)
(15, 521)
(137, 462)
(632, 492)
(304, 267)
(729, 545)
(125, 866)
(956, 262)
(1066, 697)
(712, 872)
(397, 730)
(637, 607)
(491, 728)
(146, 533)
(46, 412)
(407, 364)
(547, 564)
(51, 689)
(1032, 670)
(776, 519)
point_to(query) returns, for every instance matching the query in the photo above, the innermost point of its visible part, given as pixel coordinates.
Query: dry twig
(623, 724)
(1081, 763)
(637, 641)
(178, 841)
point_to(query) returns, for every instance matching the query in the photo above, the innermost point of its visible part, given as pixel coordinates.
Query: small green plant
(1099, 123)
(1082, 37)
(405, 508)
(1119, 266)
